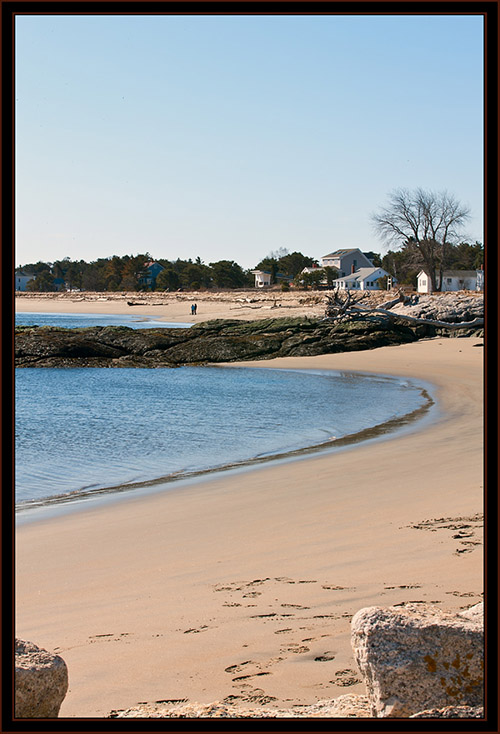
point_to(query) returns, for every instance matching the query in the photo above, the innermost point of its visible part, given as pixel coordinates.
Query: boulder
(41, 682)
(416, 657)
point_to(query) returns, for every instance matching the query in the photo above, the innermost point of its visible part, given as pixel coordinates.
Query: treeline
(130, 272)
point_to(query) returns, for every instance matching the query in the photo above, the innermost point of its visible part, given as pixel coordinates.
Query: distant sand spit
(176, 307)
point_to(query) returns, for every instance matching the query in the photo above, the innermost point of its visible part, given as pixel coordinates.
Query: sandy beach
(241, 587)
(176, 307)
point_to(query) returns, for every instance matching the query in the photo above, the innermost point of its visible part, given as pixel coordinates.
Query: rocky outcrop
(208, 342)
(41, 682)
(452, 307)
(451, 712)
(414, 658)
(343, 707)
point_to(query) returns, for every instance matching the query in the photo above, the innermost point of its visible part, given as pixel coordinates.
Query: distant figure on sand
(193, 309)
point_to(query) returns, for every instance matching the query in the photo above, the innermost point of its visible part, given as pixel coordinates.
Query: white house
(21, 279)
(263, 278)
(453, 280)
(364, 279)
(346, 261)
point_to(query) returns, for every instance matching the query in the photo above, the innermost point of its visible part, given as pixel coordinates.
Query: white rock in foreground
(347, 706)
(415, 658)
(41, 682)
(452, 712)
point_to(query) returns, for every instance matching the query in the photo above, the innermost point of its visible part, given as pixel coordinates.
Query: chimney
(352, 269)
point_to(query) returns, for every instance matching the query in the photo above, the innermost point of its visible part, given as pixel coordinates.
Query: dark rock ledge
(216, 341)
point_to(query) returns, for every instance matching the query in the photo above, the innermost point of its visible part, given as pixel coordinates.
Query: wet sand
(241, 587)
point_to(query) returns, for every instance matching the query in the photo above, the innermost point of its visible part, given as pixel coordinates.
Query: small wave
(380, 430)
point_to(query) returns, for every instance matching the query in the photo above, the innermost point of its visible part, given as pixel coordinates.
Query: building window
(448, 280)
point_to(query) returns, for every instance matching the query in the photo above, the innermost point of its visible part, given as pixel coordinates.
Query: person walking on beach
(193, 309)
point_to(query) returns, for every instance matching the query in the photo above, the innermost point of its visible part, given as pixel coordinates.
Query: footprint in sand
(296, 649)
(346, 677)
(270, 614)
(258, 582)
(194, 630)
(108, 637)
(464, 527)
(238, 667)
(326, 657)
(250, 675)
(457, 593)
(255, 695)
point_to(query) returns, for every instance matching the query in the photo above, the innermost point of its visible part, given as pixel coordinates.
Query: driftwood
(342, 306)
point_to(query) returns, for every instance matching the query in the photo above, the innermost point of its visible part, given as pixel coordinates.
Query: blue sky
(228, 137)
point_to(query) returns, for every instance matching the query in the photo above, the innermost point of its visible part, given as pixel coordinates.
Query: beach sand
(241, 587)
(176, 307)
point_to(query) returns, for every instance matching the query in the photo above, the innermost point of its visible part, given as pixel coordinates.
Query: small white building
(346, 261)
(21, 279)
(262, 278)
(453, 280)
(364, 279)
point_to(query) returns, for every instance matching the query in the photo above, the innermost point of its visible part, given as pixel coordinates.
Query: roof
(23, 273)
(341, 253)
(459, 273)
(361, 274)
(268, 272)
(455, 273)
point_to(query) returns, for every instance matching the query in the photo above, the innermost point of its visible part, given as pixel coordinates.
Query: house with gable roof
(346, 261)
(151, 272)
(21, 279)
(364, 279)
(453, 280)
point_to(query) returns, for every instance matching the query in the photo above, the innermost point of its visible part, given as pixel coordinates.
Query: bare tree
(428, 221)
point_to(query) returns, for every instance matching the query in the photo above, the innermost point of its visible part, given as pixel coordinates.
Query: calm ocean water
(75, 321)
(81, 432)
